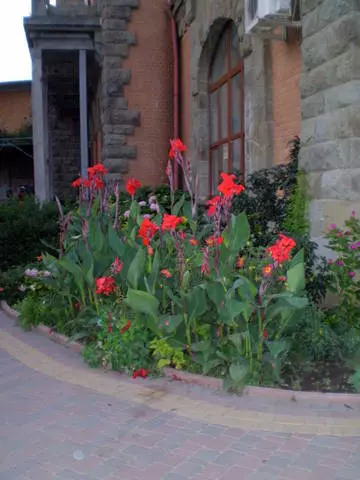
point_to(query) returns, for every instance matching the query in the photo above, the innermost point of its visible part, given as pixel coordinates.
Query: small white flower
(152, 199)
(142, 203)
(146, 215)
(22, 288)
(31, 272)
(47, 273)
(154, 207)
(127, 213)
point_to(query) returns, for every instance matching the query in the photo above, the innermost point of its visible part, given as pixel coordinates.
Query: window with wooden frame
(226, 108)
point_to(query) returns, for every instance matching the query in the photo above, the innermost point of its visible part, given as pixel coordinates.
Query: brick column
(330, 101)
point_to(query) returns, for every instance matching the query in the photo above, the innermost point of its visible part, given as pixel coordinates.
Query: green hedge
(26, 230)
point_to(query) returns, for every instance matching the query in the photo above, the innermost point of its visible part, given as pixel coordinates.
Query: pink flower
(332, 226)
(340, 263)
(352, 274)
(166, 323)
(116, 266)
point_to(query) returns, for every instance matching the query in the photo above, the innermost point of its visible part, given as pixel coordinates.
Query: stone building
(114, 79)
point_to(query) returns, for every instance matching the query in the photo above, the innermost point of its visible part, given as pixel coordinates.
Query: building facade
(16, 155)
(114, 79)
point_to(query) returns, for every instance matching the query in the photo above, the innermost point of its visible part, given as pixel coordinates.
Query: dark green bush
(26, 230)
(10, 284)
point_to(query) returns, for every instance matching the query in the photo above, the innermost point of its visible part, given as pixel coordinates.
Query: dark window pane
(218, 67)
(214, 170)
(214, 117)
(236, 107)
(236, 154)
(224, 111)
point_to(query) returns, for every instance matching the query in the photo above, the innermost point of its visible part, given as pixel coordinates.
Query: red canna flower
(77, 183)
(228, 188)
(267, 270)
(282, 278)
(147, 231)
(265, 334)
(193, 242)
(176, 146)
(109, 328)
(170, 222)
(150, 251)
(132, 185)
(166, 273)
(280, 251)
(98, 183)
(99, 169)
(116, 266)
(212, 204)
(126, 328)
(86, 183)
(142, 373)
(214, 240)
(105, 286)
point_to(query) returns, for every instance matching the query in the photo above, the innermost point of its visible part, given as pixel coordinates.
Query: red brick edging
(209, 382)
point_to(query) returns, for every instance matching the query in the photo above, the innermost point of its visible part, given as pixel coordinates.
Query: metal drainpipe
(176, 69)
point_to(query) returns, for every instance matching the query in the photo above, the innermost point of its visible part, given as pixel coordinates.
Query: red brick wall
(286, 70)
(150, 90)
(15, 110)
(185, 89)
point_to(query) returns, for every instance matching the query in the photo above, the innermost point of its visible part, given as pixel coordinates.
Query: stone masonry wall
(63, 122)
(330, 91)
(118, 122)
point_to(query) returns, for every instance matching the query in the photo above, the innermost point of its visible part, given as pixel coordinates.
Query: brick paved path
(53, 429)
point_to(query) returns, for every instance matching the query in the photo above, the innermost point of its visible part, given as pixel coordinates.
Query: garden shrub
(174, 288)
(11, 284)
(26, 229)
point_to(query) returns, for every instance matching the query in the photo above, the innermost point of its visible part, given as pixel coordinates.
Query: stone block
(335, 154)
(332, 99)
(118, 166)
(115, 37)
(327, 12)
(331, 41)
(113, 24)
(341, 185)
(113, 12)
(107, 49)
(117, 103)
(125, 117)
(334, 72)
(309, 5)
(338, 211)
(114, 140)
(119, 129)
(342, 123)
(113, 81)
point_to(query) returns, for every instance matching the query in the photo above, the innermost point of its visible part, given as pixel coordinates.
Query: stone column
(39, 122)
(84, 142)
(330, 96)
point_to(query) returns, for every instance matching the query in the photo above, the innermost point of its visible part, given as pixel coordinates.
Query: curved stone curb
(45, 331)
(211, 382)
(274, 393)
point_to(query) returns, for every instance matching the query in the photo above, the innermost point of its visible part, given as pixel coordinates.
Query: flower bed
(179, 289)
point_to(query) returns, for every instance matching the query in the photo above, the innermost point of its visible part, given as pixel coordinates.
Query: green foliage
(167, 355)
(11, 282)
(26, 230)
(296, 218)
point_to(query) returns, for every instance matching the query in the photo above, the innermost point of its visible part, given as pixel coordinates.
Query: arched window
(226, 103)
